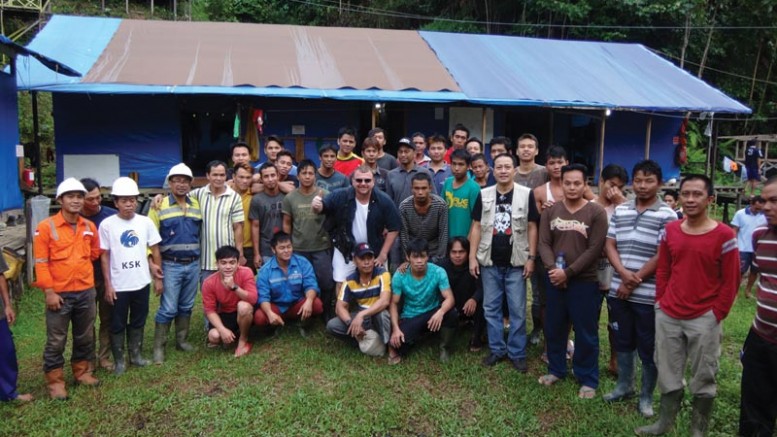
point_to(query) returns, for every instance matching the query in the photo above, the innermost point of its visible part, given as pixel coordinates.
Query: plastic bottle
(561, 263)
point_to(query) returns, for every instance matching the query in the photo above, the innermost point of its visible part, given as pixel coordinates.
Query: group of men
(281, 242)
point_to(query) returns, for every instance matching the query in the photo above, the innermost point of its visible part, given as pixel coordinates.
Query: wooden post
(374, 122)
(648, 130)
(551, 134)
(36, 140)
(601, 141)
(485, 121)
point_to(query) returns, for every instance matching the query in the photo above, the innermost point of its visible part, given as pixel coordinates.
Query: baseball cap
(363, 249)
(406, 142)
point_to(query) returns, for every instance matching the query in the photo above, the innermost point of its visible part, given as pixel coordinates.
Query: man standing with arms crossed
(65, 245)
(696, 282)
(635, 230)
(178, 221)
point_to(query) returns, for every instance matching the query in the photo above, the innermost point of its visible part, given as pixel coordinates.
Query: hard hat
(124, 186)
(68, 185)
(180, 170)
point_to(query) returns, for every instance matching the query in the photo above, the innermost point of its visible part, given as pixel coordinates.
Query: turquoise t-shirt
(420, 296)
(460, 202)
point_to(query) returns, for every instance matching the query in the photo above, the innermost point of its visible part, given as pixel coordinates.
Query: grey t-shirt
(331, 183)
(388, 162)
(535, 178)
(266, 209)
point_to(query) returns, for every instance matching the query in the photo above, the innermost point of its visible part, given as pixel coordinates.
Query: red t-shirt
(348, 164)
(697, 273)
(219, 299)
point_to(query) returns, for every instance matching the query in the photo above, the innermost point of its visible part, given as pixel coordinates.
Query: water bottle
(561, 263)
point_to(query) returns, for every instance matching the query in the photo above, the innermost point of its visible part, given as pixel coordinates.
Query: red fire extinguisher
(28, 177)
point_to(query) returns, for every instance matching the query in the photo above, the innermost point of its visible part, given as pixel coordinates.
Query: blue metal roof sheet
(529, 71)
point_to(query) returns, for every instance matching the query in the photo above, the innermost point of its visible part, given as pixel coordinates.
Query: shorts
(229, 320)
(746, 263)
(752, 173)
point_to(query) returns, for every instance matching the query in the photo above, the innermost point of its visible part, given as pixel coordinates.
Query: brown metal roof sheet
(265, 55)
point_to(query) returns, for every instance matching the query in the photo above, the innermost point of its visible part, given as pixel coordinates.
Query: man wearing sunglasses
(356, 214)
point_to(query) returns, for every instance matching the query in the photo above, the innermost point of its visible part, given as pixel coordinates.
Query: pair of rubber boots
(624, 389)
(82, 373)
(670, 405)
(181, 333)
(134, 345)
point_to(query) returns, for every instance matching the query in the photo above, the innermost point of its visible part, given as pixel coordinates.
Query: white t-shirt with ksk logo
(128, 242)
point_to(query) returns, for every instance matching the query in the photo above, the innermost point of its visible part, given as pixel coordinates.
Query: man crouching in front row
(369, 291)
(427, 304)
(228, 299)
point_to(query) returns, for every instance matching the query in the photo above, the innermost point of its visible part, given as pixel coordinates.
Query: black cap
(363, 249)
(406, 142)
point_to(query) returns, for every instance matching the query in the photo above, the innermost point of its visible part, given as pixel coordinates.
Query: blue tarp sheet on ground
(10, 195)
(529, 71)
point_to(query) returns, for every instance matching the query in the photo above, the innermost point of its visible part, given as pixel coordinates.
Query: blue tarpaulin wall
(10, 195)
(144, 132)
(625, 141)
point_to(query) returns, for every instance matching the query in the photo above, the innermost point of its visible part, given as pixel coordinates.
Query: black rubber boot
(160, 341)
(700, 417)
(181, 333)
(446, 339)
(117, 347)
(624, 389)
(670, 405)
(135, 346)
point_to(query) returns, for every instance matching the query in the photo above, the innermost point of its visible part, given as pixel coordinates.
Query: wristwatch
(532, 257)
(233, 287)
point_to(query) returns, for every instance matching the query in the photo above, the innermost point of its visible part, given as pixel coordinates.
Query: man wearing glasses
(357, 214)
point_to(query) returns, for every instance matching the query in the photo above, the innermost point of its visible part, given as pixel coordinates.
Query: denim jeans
(78, 308)
(578, 304)
(132, 304)
(502, 284)
(181, 282)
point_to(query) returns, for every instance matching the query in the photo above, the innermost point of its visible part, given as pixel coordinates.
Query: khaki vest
(519, 224)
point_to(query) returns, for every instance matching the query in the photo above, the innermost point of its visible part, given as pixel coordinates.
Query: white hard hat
(70, 184)
(180, 170)
(124, 186)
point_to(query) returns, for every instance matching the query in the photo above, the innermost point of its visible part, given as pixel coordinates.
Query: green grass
(291, 385)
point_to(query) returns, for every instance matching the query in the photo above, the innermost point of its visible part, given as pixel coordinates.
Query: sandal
(586, 392)
(394, 360)
(548, 380)
(239, 352)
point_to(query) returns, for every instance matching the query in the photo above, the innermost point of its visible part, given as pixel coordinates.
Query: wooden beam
(601, 140)
(648, 129)
(484, 121)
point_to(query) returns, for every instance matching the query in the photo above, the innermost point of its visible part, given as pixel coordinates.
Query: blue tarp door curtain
(10, 195)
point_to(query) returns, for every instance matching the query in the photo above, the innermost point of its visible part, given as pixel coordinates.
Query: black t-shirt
(752, 154)
(501, 248)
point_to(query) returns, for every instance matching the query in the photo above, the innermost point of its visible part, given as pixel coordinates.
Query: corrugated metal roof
(236, 54)
(131, 56)
(496, 69)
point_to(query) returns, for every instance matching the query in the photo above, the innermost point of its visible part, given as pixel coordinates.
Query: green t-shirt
(420, 296)
(308, 234)
(460, 202)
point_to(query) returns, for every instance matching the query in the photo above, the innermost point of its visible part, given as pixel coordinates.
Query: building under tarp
(155, 93)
